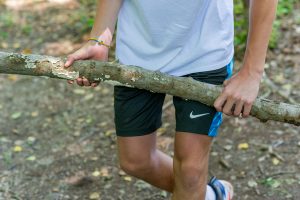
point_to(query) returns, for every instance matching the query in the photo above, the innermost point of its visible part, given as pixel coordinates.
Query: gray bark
(187, 88)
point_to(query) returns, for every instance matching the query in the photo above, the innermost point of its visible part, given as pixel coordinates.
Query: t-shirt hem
(207, 68)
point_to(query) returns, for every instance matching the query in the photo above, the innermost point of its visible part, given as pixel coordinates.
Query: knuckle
(245, 115)
(236, 97)
(217, 107)
(248, 102)
(226, 112)
(236, 114)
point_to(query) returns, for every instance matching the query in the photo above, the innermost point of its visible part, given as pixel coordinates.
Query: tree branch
(187, 88)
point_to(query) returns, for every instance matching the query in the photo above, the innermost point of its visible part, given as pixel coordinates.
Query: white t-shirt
(177, 37)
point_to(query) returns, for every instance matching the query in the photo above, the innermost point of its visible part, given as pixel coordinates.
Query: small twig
(261, 169)
(276, 89)
(224, 163)
(282, 173)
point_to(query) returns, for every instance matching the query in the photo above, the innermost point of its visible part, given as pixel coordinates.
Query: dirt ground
(57, 141)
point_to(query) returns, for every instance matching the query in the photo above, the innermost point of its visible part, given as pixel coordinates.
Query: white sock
(210, 193)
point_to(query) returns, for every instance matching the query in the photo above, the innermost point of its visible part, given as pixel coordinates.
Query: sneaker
(222, 189)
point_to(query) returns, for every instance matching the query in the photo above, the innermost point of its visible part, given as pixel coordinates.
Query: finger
(85, 82)
(227, 109)
(70, 81)
(247, 109)
(238, 108)
(226, 82)
(95, 84)
(79, 55)
(69, 61)
(219, 102)
(79, 81)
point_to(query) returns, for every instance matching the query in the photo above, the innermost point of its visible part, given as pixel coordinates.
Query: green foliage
(241, 25)
(6, 21)
(285, 7)
(271, 182)
(27, 29)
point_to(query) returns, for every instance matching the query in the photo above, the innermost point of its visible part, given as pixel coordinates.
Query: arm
(103, 29)
(106, 17)
(241, 90)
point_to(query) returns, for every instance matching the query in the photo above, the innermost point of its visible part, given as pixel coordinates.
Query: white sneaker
(222, 189)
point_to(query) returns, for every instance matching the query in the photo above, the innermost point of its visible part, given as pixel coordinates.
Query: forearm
(105, 20)
(262, 15)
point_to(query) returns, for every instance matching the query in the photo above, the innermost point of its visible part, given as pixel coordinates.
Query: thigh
(136, 149)
(190, 147)
(137, 112)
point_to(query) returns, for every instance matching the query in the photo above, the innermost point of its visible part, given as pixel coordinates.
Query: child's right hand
(90, 51)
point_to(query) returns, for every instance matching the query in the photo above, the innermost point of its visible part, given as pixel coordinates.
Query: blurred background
(57, 141)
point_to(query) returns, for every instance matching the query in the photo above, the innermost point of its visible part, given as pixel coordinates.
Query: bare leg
(185, 177)
(191, 166)
(139, 157)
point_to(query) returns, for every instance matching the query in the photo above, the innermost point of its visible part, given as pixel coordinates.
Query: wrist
(106, 36)
(255, 72)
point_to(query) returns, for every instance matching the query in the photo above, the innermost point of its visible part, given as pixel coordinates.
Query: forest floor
(57, 141)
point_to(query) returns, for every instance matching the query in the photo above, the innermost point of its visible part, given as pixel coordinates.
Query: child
(182, 38)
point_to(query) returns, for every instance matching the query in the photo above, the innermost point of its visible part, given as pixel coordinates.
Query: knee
(191, 174)
(136, 166)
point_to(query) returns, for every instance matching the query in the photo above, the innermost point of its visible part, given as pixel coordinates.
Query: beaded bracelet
(99, 42)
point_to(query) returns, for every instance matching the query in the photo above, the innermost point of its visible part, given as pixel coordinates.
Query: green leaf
(16, 115)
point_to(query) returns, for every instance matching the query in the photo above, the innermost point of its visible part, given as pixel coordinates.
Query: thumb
(81, 54)
(69, 61)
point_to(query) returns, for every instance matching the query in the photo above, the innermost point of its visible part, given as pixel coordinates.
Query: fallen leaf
(252, 183)
(109, 132)
(228, 147)
(243, 146)
(122, 173)
(16, 115)
(76, 133)
(18, 149)
(79, 91)
(79, 179)
(104, 172)
(34, 114)
(31, 139)
(128, 178)
(94, 158)
(275, 161)
(26, 51)
(16, 45)
(4, 45)
(94, 195)
(31, 158)
(96, 173)
(102, 124)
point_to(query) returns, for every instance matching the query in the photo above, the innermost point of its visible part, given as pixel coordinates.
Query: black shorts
(138, 112)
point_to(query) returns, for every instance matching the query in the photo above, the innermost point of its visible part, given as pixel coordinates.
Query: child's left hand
(239, 93)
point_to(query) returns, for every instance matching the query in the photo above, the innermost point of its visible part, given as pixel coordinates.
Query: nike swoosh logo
(196, 116)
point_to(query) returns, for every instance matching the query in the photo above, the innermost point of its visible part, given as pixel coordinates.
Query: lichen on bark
(133, 76)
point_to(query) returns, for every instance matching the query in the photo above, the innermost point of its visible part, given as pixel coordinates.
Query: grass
(285, 7)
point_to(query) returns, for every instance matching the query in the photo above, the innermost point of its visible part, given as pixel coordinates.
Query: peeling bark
(187, 88)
